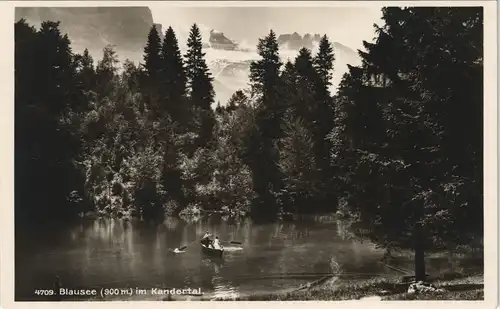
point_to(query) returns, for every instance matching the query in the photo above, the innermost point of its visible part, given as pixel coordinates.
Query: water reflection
(109, 252)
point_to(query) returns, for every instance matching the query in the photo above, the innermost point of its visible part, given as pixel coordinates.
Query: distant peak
(219, 41)
(296, 41)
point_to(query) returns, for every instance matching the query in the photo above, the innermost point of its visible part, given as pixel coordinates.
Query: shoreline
(336, 288)
(443, 286)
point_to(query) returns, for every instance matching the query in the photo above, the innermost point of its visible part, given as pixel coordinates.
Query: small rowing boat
(212, 251)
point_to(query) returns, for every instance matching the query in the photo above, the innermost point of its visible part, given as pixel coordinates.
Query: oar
(178, 250)
(235, 242)
(185, 246)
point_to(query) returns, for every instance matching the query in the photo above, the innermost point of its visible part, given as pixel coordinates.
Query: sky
(347, 25)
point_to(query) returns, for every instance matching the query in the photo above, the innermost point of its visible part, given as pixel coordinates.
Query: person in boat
(205, 240)
(216, 244)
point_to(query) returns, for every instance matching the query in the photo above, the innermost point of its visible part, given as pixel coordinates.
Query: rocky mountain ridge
(296, 41)
(127, 29)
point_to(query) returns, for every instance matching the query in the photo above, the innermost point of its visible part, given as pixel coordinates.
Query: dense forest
(398, 148)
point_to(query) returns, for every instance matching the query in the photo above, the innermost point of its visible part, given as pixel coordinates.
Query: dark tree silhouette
(173, 80)
(200, 84)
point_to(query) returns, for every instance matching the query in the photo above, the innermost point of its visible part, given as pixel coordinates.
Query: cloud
(349, 25)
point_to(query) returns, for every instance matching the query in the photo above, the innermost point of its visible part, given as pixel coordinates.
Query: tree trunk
(419, 253)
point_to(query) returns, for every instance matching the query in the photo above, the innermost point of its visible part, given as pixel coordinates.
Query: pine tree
(200, 85)
(264, 73)
(47, 97)
(288, 86)
(312, 104)
(289, 77)
(173, 77)
(150, 80)
(399, 116)
(199, 77)
(152, 55)
(323, 63)
(306, 82)
(265, 82)
(26, 154)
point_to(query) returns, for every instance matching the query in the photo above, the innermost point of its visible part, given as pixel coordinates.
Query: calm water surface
(111, 253)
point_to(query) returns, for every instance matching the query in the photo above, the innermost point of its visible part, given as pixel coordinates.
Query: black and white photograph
(266, 152)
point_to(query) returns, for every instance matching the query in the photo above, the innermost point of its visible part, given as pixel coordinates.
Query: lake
(113, 253)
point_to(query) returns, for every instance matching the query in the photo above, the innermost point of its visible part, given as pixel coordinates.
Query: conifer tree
(173, 77)
(152, 54)
(311, 104)
(306, 91)
(152, 66)
(200, 86)
(264, 73)
(26, 76)
(199, 77)
(46, 144)
(399, 123)
(289, 77)
(265, 82)
(323, 63)
(288, 86)
(324, 114)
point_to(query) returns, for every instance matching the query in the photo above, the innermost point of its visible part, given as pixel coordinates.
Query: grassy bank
(469, 287)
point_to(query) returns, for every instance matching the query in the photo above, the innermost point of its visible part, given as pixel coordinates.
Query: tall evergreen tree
(265, 82)
(312, 104)
(324, 114)
(199, 77)
(397, 147)
(152, 54)
(200, 84)
(172, 82)
(46, 145)
(306, 102)
(173, 77)
(151, 78)
(288, 87)
(289, 81)
(26, 105)
(323, 63)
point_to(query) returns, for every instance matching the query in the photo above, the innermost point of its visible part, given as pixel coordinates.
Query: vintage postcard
(250, 151)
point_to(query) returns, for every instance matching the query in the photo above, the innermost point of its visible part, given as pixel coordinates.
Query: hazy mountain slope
(127, 29)
(231, 68)
(94, 27)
